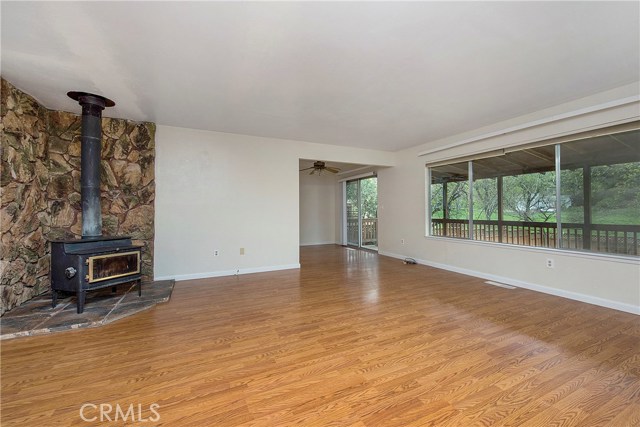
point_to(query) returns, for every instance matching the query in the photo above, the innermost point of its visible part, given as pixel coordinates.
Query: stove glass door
(111, 266)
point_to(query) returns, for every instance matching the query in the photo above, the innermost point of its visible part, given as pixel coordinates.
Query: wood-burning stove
(94, 261)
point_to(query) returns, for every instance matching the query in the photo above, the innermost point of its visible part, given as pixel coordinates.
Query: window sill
(624, 259)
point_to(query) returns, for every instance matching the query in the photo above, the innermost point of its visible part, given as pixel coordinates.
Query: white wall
(318, 208)
(608, 281)
(224, 191)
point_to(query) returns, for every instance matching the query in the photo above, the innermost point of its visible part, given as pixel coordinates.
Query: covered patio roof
(623, 147)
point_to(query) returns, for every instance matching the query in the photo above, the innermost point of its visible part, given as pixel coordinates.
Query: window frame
(557, 144)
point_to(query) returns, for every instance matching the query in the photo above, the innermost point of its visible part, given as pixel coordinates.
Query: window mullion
(470, 200)
(558, 199)
(586, 191)
(500, 212)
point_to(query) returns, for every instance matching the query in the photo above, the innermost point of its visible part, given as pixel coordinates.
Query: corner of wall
(40, 182)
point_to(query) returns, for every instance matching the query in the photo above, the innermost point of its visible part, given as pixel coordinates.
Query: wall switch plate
(402, 241)
(241, 251)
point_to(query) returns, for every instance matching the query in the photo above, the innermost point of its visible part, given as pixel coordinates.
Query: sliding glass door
(362, 212)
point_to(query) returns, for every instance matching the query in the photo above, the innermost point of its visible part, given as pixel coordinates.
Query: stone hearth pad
(37, 317)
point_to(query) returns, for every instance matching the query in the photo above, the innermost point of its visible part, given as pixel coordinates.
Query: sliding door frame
(345, 216)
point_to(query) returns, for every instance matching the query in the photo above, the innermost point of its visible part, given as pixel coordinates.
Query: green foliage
(437, 211)
(369, 195)
(615, 188)
(615, 195)
(485, 198)
(532, 197)
(458, 200)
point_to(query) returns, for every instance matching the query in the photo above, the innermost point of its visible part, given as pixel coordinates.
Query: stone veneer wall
(40, 189)
(24, 177)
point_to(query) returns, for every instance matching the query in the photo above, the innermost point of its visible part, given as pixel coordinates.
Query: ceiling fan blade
(313, 171)
(332, 170)
(306, 169)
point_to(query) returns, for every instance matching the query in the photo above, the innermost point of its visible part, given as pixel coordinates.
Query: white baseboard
(590, 299)
(222, 273)
(318, 243)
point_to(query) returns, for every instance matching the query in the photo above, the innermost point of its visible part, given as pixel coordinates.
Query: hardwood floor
(351, 339)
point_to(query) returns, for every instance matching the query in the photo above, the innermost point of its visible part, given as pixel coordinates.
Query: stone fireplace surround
(40, 189)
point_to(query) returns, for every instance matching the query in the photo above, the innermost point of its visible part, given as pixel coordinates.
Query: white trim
(362, 175)
(222, 273)
(598, 256)
(552, 139)
(347, 172)
(500, 285)
(589, 299)
(546, 120)
(319, 243)
(427, 201)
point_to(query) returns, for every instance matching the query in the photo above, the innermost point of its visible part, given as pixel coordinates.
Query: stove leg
(139, 287)
(81, 297)
(54, 298)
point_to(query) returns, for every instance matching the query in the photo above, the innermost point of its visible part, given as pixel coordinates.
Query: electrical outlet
(216, 252)
(550, 263)
(241, 251)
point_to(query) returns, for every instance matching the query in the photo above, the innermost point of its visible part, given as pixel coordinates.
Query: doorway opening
(361, 212)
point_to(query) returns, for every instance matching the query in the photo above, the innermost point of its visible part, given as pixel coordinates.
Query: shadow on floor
(38, 317)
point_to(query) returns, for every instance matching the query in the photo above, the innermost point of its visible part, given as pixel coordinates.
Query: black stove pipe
(91, 146)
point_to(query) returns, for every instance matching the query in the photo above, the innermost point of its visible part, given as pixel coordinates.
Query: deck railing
(369, 230)
(619, 239)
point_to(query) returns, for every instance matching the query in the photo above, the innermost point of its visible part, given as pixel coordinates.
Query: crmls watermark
(103, 412)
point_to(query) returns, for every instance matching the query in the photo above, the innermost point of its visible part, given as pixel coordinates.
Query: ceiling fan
(319, 167)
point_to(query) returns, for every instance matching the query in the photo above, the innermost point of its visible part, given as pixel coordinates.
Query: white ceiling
(385, 75)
